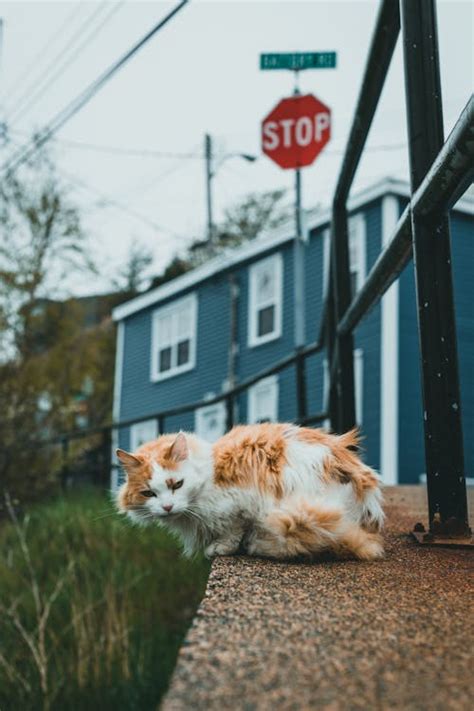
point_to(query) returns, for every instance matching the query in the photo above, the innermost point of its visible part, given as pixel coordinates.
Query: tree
(133, 274)
(41, 245)
(257, 213)
(244, 221)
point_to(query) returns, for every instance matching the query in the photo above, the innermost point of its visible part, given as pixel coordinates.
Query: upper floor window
(357, 253)
(265, 300)
(263, 401)
(173, 339)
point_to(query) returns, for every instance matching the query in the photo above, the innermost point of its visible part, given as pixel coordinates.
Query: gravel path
(395, 634)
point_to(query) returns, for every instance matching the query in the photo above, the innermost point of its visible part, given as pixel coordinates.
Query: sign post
(293, 135)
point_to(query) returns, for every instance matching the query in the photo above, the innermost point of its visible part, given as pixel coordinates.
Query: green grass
(120, 597)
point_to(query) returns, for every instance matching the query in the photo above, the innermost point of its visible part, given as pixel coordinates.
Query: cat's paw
(220, 548)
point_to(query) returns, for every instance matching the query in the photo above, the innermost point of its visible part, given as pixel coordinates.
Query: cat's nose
(168, 507)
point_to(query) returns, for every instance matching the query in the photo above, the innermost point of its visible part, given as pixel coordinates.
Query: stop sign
(296, 131)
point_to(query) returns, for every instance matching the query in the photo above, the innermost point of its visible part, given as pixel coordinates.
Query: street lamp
(210, 175)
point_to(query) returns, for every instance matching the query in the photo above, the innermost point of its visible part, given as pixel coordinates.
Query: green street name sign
(298, 60)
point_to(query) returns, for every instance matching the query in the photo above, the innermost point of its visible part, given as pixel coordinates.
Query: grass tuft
(92, 610)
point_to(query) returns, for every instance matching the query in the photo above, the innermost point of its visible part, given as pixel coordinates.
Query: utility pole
(209, 176)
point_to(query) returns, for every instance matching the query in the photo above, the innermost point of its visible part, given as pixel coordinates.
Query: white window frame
(138, 436)
(201, 416)
(326, 237)
(357, 243)
(277, 261)
(253, 394)
(172, 310)
(358, 386)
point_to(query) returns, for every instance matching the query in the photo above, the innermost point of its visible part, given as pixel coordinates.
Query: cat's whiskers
(194, 515)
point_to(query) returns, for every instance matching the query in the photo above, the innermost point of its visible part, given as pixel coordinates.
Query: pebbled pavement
(335, 635)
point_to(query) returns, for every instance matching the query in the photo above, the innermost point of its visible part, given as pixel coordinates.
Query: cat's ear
(129, 461)
(179, 451)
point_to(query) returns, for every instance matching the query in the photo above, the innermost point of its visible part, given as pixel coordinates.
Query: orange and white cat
(272, 490)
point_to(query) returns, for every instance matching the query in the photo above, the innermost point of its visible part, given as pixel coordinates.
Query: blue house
(199, 334)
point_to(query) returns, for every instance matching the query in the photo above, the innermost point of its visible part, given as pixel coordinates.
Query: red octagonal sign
(296, 131)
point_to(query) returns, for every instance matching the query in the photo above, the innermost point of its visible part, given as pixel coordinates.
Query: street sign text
(297, 61)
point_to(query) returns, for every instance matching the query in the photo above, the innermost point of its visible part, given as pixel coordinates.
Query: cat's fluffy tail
(307, 529)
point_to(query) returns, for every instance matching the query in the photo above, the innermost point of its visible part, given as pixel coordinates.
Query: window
(174, 338)
(210, 422)
(358, 385)
(265, 297)
(142, 432)
(357, 252)
(263, 401)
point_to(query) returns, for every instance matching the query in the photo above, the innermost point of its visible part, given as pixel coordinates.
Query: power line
(48, 81)
(138, 152)
(107, 200)
(41, 53)
(70, 43)
(77, 104)
(155, 153)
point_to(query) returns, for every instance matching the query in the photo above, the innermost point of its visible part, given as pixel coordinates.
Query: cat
(271, 490)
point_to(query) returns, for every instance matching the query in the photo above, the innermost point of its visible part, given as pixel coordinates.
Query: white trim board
(389, 359)
(269, 240)
(116, 401)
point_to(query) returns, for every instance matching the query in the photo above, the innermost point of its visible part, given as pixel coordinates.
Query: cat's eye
(148, 493)
(178, 485)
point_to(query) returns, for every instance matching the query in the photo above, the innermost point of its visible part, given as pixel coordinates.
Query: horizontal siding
(367, 338)
(411, 438)
(141, 397)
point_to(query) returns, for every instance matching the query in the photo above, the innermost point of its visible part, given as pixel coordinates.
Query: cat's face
(162, 482)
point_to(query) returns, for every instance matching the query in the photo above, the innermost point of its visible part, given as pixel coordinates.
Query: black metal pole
(384, 38)
(229, 408)
(302, 408)
(160, 424)
(344, 377)
(432, 260)
(331, 405)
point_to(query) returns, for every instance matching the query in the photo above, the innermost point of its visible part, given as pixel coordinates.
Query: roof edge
(315, 218)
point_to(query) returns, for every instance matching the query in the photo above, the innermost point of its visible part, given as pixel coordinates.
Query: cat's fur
(272, 490)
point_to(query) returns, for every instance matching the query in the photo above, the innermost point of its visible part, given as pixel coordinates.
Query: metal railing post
(229, 413)
(344, 377)
(301, 401)
(434, 290)
(330, 340)
(160, 424)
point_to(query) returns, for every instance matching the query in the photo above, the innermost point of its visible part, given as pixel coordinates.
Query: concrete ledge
(342, 635)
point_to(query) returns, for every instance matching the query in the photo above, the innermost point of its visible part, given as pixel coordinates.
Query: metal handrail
(440, 174)
(230, 394)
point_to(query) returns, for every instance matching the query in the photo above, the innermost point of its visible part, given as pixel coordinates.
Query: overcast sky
(200, 74)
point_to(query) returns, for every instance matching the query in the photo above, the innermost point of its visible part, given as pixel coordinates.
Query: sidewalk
(396, 634)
